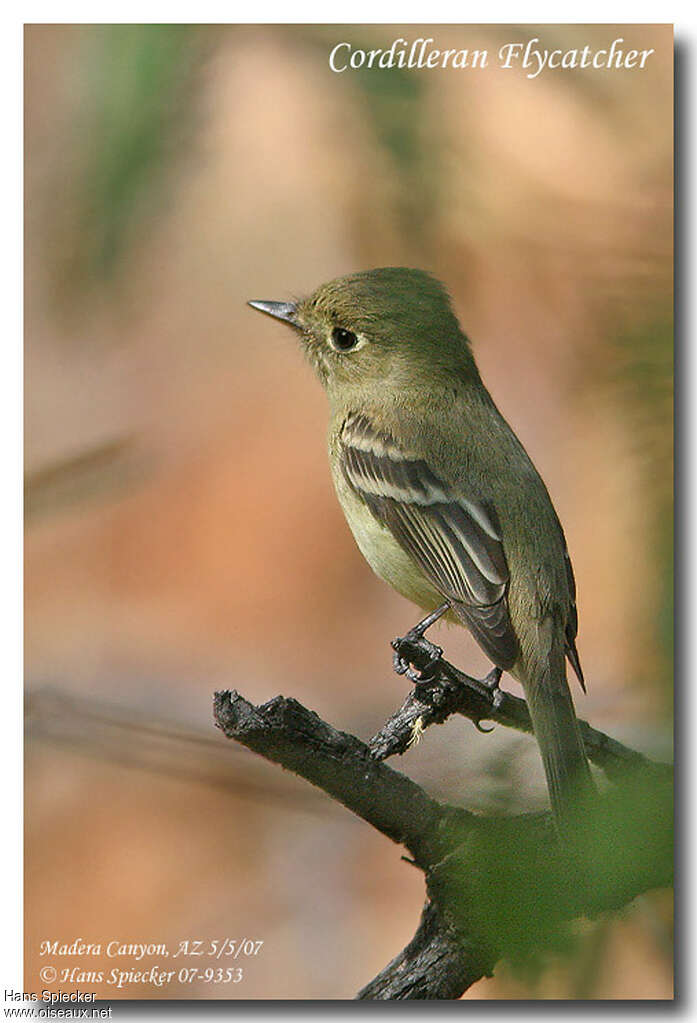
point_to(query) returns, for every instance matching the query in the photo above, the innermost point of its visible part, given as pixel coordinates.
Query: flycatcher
(440, 494)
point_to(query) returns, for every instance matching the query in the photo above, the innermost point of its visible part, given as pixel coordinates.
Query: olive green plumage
(440, 494)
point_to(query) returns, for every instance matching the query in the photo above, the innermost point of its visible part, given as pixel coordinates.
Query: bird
(442, 498)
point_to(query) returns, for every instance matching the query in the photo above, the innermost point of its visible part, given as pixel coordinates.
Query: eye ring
(343, 340)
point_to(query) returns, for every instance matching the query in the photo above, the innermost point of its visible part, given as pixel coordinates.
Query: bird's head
(382, 327)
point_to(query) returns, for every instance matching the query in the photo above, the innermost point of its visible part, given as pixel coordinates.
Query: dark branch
(454, 692)
(285, 732)
(484, 902)
(431, 966)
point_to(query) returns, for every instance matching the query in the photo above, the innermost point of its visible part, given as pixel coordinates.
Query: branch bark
(483, 901)
(451, 691)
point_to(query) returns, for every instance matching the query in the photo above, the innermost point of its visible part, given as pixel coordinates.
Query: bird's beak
(285, 311)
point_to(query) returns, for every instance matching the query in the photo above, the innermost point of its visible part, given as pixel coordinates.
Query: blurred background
(182, 534)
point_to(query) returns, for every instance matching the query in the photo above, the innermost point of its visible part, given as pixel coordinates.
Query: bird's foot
(403, 658)
(415, 641)
(491, 682)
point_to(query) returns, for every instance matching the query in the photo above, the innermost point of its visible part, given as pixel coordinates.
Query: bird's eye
(343, 340)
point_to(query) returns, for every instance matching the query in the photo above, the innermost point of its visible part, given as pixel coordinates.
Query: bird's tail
(556, 730)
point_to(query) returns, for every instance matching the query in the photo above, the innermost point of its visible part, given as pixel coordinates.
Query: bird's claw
(402, 659)
(491, 682)
(415, 641)
(398, 663)
(480, 727)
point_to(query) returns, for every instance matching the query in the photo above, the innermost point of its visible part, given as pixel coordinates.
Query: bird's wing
(572, 622)
(455, 541)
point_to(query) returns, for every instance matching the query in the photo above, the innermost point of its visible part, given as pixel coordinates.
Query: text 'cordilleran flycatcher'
(440, 494)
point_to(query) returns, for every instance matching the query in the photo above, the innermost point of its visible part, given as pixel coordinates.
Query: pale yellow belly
(384, 555)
